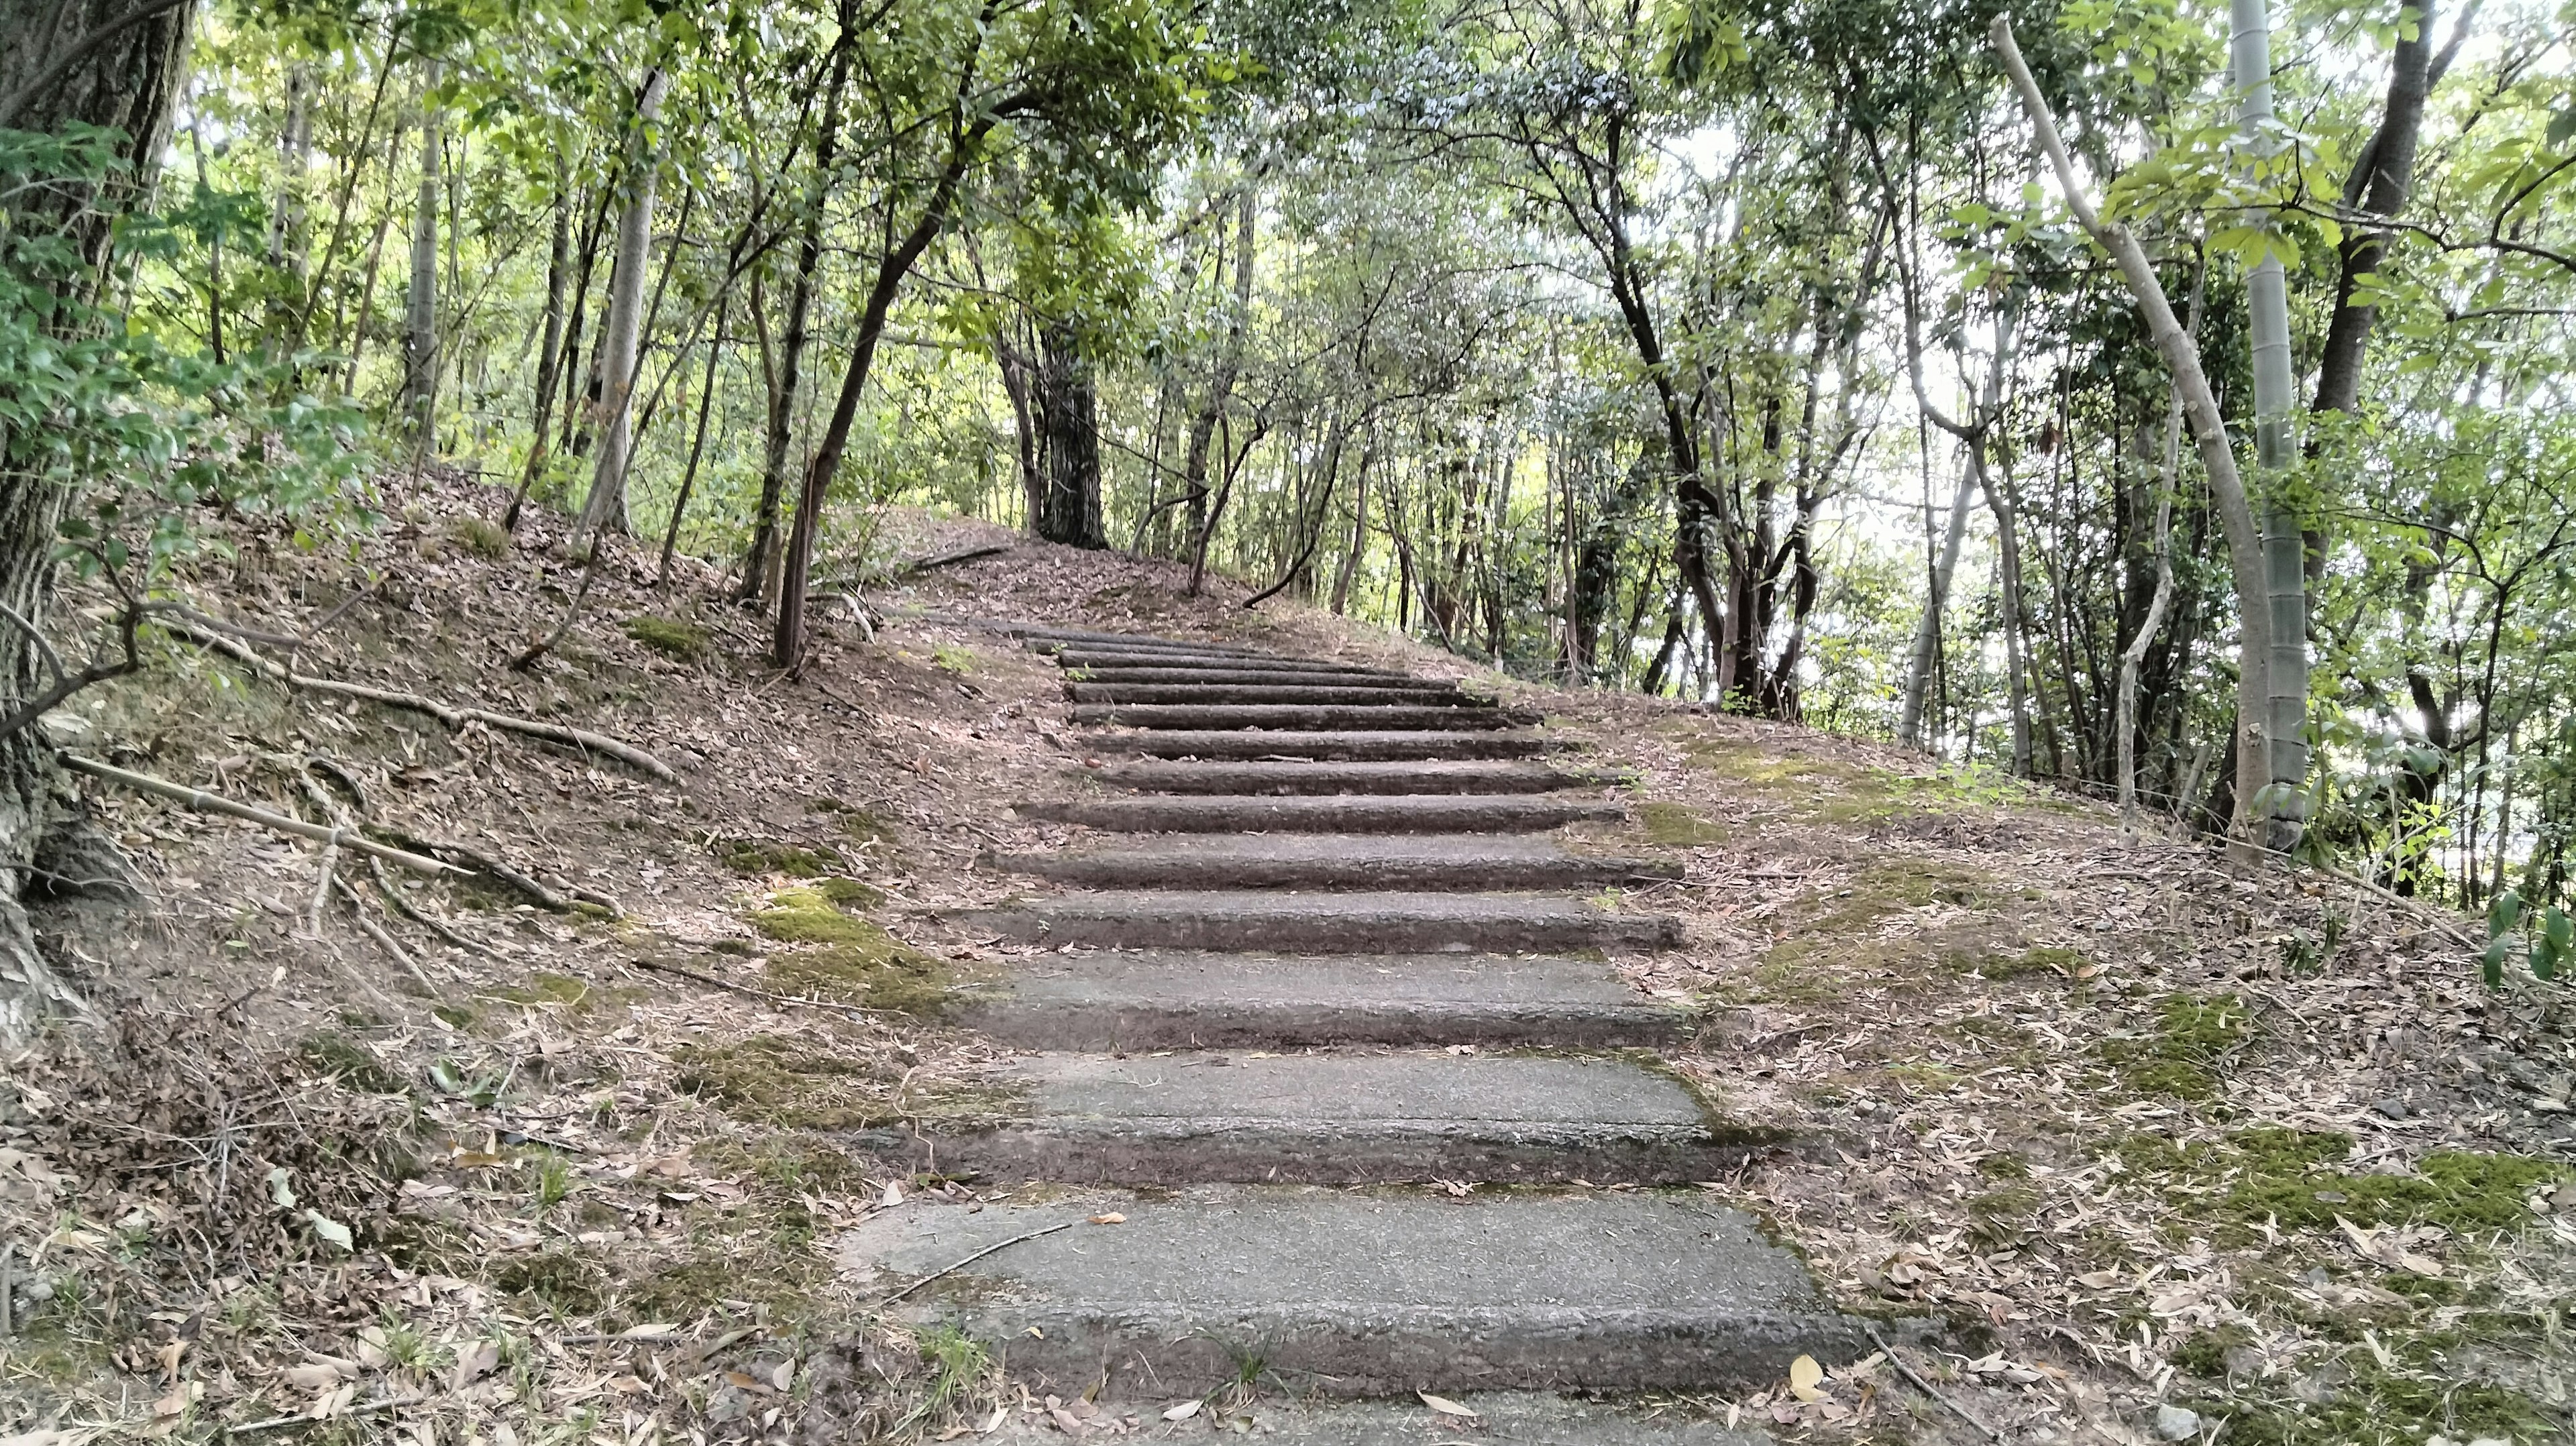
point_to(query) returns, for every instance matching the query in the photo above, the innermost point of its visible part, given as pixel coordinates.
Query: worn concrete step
(1038, 635)
(1313, 717)
(1084, 660)
(1325, 813)
(1355, 923)
(1225, 693)
(1452, 862)
(1371, 1118)
(1305, 777)
(1349, 745)
(1352, 1294)
(1191, 1000)
(1503, 1418)
(1286, 677)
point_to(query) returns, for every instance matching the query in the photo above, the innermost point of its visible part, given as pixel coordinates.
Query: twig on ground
(203, 802)
(482, 863)
(713, 982)
(384, 940)
(389, 1403)
(970, 1260)
(1925, 1386)
(431, 922)
(581, 739)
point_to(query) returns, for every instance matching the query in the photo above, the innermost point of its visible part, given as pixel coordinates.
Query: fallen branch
(384, 940)
(970, 1260)
(950, 559)
(478, 862)
(1925, 1386)
(578, 738)
(429, 921)
(203, 802)
(713, 982)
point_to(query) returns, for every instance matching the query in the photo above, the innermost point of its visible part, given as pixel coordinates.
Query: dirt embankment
(477, 1156)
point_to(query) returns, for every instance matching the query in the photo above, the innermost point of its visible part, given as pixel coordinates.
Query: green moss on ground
(795, 1085)
(768, 856)
(1676, 825)
(2180, 1058)
(2293, 1179)
(808, 916)
(568, 1282)
(850, 893)
(482, 537)
(2423, 1393)
(669, 636)
(543, 991)
(2047, 959)
(343, 1057)
(883, 973)
(1841, 933)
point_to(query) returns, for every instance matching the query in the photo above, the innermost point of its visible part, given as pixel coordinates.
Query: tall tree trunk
(1194, 464)
(697, 443)
(419, 400)
(2382, 179)
(550, 352)
(757, 564)
(1359, 541)
(787, 646)
(1069, 420)
(62, 63)
(621, 355)
(1012, 360)
(2209, 434)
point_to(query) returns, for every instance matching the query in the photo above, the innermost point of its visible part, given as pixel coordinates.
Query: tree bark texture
(620, 354)
(61, 61)
(1069, 427)
(419, 400)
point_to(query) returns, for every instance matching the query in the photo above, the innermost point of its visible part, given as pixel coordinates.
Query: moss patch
(2181, 1056)
(568, 1282)
(2047, 959)
(482, 537)
(1843, 931)
(807, 916)
(780, 1081)
(2292, 1178)
(545, 991)
(884, 973)
(1675, 825)
(2424, 1393)
(767, 856)
(850, 893)
(670, 637)
(337, 1054)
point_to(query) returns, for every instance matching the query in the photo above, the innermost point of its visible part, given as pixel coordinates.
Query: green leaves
(2547, 948)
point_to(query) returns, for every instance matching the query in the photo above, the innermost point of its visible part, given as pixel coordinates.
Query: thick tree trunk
(419, 401)
(1069, 423)
(62, 62)
(620, 356)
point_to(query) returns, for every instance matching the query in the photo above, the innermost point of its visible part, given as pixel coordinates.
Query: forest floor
(2152, 1136)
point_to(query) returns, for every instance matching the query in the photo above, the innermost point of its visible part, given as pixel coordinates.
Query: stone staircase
(1323, 1026)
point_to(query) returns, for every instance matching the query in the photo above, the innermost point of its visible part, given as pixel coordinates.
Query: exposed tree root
(204, 802)
(578, 738)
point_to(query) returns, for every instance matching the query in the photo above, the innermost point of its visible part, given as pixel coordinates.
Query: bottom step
(1343, 1293)
(1503, 1418)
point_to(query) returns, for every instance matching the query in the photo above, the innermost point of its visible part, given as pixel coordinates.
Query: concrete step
(1431, 697)
(1503, 1418)
(1304, 777)
(1342, 1294)
(1327, 813)
(1448, 862)
(1284, 677)
(1040, 637)
(1189, 1000)
(1310, 717)
(1371, 1118)
(1089, 658)
(1356, 923)
(1350, 745)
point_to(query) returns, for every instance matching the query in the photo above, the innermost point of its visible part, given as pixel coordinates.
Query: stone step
(1449, 862)
(1371, 1118)
(1306, 717)
(1352, 745)
(1305, 777)
(1189, 1000)
(1503, 1418)
(1259, 678)
(1036, 635)
(1355, 923)
(1340, 1293)
(1432, 697)
(1326, 813)
(1088, 658)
